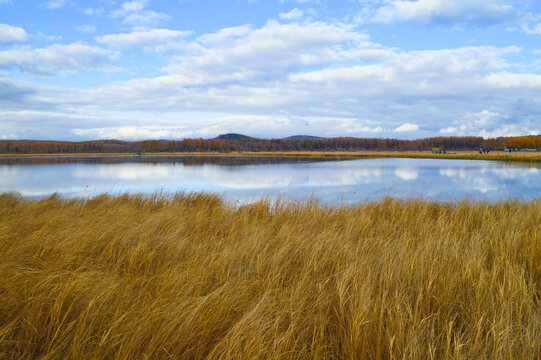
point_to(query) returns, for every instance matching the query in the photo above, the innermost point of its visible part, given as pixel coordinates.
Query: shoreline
(526, 157)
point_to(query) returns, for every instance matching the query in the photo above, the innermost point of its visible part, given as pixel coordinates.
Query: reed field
(524, 157)
(194, 277)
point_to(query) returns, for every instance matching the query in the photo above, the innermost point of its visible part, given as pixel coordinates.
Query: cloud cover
(12, 34)
(461, 11)
(57, 59)
(288, 75)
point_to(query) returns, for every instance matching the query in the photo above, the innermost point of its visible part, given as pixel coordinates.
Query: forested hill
(233, 136)
(238, 142)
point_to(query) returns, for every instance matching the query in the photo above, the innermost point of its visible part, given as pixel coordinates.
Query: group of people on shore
(484, 150)
(508, 151)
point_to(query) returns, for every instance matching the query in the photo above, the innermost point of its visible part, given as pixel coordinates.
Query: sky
(148, 69)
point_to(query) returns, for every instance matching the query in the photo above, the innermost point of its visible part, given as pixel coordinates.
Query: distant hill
(301, 137)
(233, 136)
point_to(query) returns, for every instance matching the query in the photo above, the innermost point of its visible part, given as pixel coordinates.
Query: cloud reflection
(407, 173)
(332, 181)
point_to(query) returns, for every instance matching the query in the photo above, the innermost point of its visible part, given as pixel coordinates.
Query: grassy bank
(191, 277)
(530, 157)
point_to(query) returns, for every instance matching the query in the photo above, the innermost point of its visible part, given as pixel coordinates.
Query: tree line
(254, 144)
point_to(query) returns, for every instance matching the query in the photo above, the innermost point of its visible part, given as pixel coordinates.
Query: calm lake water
(246, 179)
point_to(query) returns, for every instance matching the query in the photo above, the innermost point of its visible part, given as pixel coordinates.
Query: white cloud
(46, 37)
(86, 28)
(12, 34)
(133, 6)
(145, 18)
(203, 128)
(23, 96)
(291, 15)
(55, 4)
(134, 13)
(511, 130)
(449, 130)
(226, 34)
(486, 119)
(93, 11)
(316, 78)
(264, 126)
(322, 71)
(536, 30)
(492, 124)
(407, 128)
(63, 59)
(29, 124)
(260, 55)
(461, 11)
(155, 40)
(134, 132)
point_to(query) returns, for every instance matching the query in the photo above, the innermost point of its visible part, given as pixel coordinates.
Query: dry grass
(135, 277)
(530, 157)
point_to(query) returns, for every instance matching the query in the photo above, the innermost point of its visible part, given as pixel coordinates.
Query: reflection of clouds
(355, 180)
(121, 172)
(484, 185)
(509, 179)
(493, 177)
(407, 173)
(480, 179)
(99, 178)
(247, 176)
(457, 172)
(450, 172)
(339, 177)
(507, 173)
(148, 174)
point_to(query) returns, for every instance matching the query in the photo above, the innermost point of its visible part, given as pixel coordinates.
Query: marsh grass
(524, 157)
(192, 277)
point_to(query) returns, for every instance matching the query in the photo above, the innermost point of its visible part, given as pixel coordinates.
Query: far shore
(531, 157)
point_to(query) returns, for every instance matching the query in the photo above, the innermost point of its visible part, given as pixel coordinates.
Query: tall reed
(192, 277)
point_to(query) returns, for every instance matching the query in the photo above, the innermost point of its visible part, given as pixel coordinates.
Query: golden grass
(464, 155)
(192, 277)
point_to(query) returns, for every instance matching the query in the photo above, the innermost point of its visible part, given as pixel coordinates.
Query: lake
(243, 179)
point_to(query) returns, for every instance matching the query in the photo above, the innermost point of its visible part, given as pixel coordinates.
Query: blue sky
(77, 70)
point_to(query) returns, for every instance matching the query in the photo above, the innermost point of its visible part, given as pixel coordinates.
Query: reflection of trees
(185, 160)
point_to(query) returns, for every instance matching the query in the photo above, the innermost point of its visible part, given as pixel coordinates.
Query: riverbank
(530, 157)
(193, 277)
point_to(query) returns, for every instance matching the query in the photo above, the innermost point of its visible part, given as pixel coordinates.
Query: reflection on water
(160, 159)
(294, 178)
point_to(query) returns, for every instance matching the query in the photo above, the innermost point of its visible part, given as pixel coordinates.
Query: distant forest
(229, 143)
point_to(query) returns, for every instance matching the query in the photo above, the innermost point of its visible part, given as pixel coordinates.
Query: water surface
(245, 179)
